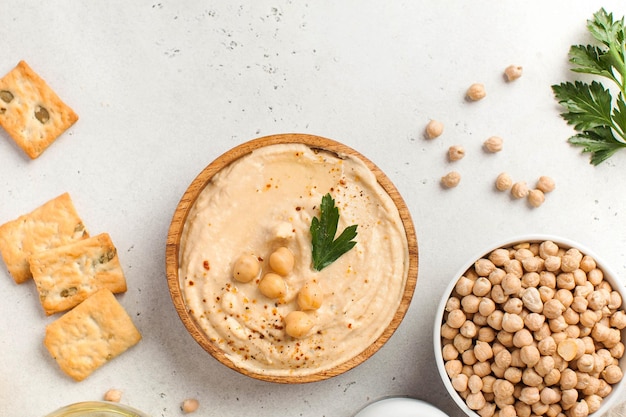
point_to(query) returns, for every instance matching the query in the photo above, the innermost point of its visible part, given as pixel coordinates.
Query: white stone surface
(165, 87)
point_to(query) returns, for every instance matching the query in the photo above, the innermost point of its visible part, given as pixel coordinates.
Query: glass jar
(97, 409)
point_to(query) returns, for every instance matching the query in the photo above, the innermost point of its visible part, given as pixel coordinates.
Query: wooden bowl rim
(199, 183)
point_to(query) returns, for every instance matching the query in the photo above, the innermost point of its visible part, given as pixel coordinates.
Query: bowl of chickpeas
(533, 326)
(291, 258)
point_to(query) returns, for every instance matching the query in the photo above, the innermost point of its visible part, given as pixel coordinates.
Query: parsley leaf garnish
(598, 118)
(327, 249)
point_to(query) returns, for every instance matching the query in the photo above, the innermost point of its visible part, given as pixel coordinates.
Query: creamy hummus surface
(266, 200)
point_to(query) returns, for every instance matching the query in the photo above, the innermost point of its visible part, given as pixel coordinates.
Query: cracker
(51, 225)
(67, 275)
(92, 333)
(31, 112)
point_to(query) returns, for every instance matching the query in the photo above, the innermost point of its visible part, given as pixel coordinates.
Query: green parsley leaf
(327, 249)
(599, 119)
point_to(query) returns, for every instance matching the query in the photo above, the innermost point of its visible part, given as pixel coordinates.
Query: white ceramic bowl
(400, 407)
(609, 275)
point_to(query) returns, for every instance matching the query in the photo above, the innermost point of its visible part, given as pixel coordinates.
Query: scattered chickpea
(434, 129)
(451, 179)
(536, 198)
(493, 144)
(456, 152)
(545, 184)
(513, 72)
(273, 286)
(189, 405)
(310, 296)
(519, 190)
(298, 324)
(476, 92)
(246, 268)
(503, 182)
(282, 261)
(113, 395)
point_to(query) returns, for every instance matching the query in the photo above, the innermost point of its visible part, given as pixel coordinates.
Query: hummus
(266, 200)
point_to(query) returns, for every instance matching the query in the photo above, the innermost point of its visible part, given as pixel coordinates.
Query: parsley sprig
(327, 249)
(599, 119)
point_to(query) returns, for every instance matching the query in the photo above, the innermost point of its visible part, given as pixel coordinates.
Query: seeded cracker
(92, 333)
(51, 225)
(32, 114)
(67, 275)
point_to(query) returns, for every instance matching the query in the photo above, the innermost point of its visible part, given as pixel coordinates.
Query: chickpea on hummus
(246, 261)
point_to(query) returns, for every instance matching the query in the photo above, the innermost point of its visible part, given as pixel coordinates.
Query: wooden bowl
(187, 202)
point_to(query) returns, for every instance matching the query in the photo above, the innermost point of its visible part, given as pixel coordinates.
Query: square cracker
(31, 112)
(53, 224)
(92, 333)
(67, 275)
